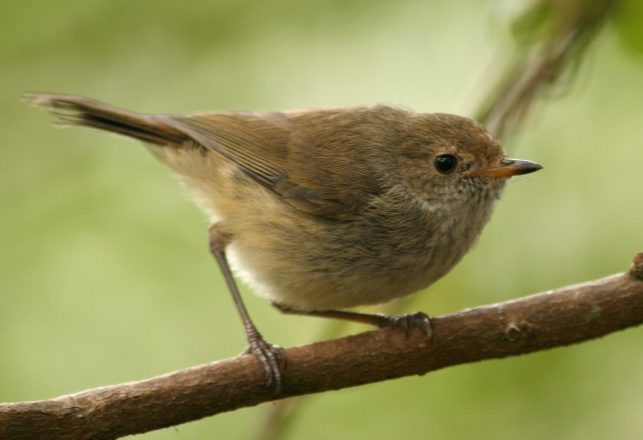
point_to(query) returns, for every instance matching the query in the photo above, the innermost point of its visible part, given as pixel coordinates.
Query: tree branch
(540, 62)
(550, 319)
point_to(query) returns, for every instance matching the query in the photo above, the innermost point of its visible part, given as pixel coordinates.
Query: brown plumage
(325, 209)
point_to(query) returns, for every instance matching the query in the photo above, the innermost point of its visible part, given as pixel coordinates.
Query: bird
(320, 210)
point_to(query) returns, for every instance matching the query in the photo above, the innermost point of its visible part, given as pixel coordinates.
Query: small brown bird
(320, 210)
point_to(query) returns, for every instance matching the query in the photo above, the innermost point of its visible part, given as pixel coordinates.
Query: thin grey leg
(419, 319)
(272, 357)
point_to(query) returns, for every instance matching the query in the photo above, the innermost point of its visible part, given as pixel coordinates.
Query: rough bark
(549, 319)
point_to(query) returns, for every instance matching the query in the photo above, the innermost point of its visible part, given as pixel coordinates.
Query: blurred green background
(105, 275)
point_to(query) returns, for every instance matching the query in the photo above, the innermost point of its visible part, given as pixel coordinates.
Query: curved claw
(273, 361)
(408, 321)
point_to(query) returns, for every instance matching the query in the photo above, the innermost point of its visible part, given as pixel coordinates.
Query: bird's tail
(76, 110)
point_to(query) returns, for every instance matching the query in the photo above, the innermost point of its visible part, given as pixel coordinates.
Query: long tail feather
(80, 111)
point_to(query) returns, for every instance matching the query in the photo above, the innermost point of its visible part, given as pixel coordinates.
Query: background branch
(551, 40)
(550, 319)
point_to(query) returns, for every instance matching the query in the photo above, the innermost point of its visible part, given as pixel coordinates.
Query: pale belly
(342, 265)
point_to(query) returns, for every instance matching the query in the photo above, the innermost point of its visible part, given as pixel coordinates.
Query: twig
(550, 319)
(541, 65)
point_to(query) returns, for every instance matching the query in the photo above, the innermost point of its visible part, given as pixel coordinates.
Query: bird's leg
(407, 321)
(272, 357)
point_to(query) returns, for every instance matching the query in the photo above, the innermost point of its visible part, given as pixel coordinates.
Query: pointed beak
(508, 168)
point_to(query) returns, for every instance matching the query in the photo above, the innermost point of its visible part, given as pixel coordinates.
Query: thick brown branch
(550, 319)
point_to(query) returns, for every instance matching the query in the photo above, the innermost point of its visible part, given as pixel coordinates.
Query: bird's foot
(272, 359)
(407, 322)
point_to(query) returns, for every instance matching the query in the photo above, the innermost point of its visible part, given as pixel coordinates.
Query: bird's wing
(312, 169)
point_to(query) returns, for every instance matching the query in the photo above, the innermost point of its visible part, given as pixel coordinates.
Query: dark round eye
(445, 163)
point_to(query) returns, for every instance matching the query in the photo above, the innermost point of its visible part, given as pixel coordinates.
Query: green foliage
(628, 21)
(105, 275)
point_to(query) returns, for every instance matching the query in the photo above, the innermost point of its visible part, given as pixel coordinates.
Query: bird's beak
(508, 168)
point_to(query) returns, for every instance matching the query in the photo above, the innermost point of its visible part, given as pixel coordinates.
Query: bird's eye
(445, 163)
